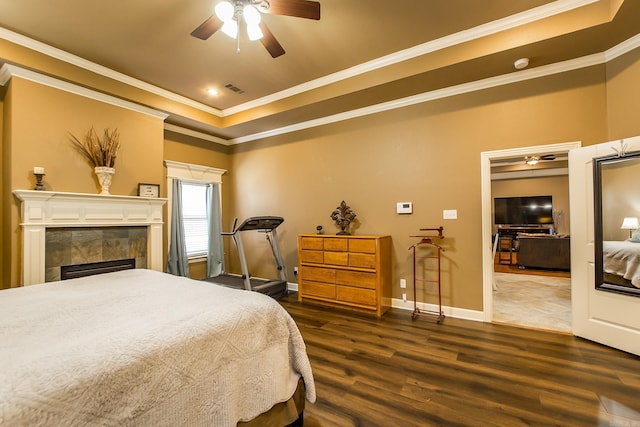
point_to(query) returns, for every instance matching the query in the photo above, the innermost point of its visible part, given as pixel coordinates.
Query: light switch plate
(450, 214)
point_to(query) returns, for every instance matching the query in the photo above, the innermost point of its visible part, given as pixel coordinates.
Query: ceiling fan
(532, 160)
(229, 14)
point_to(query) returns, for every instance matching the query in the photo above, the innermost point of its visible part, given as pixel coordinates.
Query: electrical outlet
(403, 283)
(404, 297)
(295, 271)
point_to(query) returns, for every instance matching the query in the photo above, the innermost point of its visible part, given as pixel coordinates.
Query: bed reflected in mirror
(617, 237)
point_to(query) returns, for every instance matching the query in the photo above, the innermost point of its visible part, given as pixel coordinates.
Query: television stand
(514, 230)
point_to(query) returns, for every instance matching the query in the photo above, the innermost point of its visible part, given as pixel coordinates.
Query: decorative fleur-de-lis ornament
(343, 216)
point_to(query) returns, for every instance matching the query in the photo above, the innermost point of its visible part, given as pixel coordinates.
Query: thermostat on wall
(404, 207)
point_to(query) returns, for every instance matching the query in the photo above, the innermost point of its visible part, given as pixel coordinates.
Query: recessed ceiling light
(212, 91)
(521, 63)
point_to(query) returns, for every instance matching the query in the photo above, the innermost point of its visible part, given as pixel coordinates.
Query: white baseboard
(458, 313)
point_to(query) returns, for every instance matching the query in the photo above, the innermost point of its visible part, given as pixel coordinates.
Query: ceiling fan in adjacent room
(229, 15)
(533, 160)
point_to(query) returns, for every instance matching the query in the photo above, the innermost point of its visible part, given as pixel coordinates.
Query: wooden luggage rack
(435, 250)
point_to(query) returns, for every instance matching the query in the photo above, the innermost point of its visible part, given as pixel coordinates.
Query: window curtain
(177, 261)
(215, 254)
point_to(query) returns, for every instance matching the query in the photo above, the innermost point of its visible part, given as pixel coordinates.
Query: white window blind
(194, 214)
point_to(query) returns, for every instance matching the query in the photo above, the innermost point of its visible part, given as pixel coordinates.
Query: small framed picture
(149, 190)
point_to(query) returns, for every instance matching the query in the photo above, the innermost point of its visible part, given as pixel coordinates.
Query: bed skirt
(282, 414)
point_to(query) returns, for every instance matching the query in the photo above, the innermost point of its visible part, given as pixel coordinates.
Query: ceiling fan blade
(207, 28)
(548, 157)
(298, 8)
(268, 40)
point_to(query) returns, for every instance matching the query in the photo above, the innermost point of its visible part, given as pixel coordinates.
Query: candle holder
(39, 186)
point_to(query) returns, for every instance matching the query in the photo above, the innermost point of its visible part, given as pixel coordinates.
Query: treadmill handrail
(233, 229)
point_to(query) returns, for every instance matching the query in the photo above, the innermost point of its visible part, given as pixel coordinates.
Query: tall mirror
(617, 233)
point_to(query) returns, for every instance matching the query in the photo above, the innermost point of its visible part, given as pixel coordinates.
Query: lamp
(630, 223)
(231, 15)
(531, 160)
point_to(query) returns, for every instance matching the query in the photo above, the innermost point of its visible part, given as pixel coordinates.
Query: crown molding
(542, 12)
(8, 71)
(622, 48)
(69, 58)
(509, 22)
(491, 82)
(533, 173)
(513, 77)
(199, 135)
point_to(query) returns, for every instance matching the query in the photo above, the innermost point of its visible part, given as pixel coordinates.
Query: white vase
(104, 175)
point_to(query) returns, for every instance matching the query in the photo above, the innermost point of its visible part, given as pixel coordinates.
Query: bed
(621, 262)
(140, 347)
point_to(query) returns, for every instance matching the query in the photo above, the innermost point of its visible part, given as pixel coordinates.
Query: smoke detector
(521, 63)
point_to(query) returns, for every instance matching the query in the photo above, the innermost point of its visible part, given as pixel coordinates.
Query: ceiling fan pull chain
(239, 15)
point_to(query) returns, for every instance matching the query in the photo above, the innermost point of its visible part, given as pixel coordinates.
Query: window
(194, 213)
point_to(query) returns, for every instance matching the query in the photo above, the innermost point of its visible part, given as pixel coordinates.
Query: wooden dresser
(349, 271)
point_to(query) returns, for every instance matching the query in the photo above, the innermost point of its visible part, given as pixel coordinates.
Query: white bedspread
(139, 347)
(623, 259)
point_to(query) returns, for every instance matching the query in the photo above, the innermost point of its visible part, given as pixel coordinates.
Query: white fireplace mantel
(44, 209)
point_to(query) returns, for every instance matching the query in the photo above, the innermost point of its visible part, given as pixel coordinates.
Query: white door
(608, 318)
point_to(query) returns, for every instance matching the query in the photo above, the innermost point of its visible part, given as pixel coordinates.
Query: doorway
(487, 158)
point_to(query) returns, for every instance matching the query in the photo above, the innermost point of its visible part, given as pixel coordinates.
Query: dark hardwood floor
(396, 371)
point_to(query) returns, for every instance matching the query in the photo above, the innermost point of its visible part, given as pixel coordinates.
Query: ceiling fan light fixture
(230, 28)
(228, 16)
(225, 11)
(254, 32)
(251, 15)
(531, 160)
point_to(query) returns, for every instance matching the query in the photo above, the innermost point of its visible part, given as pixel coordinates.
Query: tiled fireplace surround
(75, 228)
(73, 246)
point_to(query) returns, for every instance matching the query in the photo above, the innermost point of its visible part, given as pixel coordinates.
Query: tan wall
(42, 117)
(555, 186)
(428, 154)
(623, 95)
(181, 148)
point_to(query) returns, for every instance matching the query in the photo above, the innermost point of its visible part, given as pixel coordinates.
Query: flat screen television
(532, 210)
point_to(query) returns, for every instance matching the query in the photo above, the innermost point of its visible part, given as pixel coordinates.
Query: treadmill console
(260, 223)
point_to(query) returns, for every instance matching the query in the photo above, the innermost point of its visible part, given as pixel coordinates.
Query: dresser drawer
(317, 289)
(336, 245)
(362, 260)
(357, 279)
(311, 243)
(317, 274)
(316, 257)
(362, 245)
(336, 258)
(356, 295)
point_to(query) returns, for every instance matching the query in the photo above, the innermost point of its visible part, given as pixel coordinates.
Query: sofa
(544, 251)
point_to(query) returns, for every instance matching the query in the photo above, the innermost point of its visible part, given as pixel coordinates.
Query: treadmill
(263, 224)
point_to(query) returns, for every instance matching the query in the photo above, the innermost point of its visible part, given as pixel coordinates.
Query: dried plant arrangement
(98, 151)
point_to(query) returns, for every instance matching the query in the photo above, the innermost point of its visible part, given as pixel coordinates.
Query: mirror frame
(600, 283)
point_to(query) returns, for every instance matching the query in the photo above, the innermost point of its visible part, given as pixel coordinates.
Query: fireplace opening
(91, 268)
